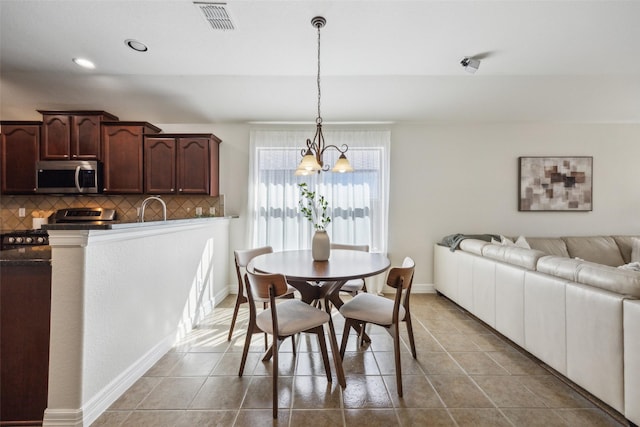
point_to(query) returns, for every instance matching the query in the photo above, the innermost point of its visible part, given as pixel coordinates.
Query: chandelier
(312, 155)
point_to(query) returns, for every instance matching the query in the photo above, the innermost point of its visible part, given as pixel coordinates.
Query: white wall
(456, 178)
(113, 317)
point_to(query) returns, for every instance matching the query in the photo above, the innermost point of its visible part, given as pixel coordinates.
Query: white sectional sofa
(563, 299)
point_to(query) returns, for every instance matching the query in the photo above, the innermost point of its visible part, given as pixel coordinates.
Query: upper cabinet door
(72, 135)
(122, 154)
(122, 147)
(19, 145)
(56, 137)
(159, 165)
(194, 165)
(85, 137)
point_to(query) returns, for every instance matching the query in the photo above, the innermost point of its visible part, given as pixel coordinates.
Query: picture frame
(557, 184)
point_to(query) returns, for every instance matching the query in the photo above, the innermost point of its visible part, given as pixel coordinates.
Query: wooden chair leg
(266, 336)
(396, 351)
(412, 342)
(245, 351)
(362, 334)
(233, 319)
(319, 331)
(293, 343)
(274, 368)
(345, 336)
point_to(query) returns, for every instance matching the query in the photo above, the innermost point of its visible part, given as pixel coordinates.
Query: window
(358, 201)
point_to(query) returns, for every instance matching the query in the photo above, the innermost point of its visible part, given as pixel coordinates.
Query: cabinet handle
(66, 155)
(180, 189)
(172, 189)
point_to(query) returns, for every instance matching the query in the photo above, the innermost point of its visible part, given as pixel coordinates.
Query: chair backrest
(261, 284)
(363, 248)
(401, 276)
(244, 256)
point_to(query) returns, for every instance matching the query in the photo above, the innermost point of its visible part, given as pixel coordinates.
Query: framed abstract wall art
(556, 184)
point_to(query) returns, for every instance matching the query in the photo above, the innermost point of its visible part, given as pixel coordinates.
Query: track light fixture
(470, 64)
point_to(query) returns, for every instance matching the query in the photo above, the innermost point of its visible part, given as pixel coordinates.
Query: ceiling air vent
(216, 14)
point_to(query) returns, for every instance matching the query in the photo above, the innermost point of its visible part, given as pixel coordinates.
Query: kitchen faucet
(146, 201)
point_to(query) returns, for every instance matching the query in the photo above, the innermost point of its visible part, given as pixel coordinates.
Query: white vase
(320, 246)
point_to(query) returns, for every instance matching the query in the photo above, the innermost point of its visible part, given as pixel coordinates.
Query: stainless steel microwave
(69, 176)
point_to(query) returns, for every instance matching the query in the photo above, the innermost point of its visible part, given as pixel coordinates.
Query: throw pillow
(635, 266)
(635, 250)
(522, 243)
(507, 241)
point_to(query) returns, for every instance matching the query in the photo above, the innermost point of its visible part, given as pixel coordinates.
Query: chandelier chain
(319, 119)
(312, 154)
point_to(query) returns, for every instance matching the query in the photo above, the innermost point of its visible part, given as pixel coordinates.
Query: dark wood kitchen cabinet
(122, 154)
(72, 135)
(25, 308)
(181, 164)
(19, 148)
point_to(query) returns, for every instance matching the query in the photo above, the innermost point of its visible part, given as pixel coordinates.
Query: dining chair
(355, 285)
(369, 308)
(242, 259)
(282, 320)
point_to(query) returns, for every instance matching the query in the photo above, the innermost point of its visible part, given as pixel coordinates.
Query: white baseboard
(423, 288)
(101, 401)
(220, 296)
(63, 417)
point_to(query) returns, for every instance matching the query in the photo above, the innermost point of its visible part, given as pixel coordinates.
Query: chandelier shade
(312, 160)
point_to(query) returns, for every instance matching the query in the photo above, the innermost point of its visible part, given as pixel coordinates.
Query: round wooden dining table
(319, 279)
(322, 280)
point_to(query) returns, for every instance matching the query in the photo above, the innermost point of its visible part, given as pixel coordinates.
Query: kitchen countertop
(117, 225)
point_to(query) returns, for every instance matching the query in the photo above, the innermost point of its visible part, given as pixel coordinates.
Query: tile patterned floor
(464, 375)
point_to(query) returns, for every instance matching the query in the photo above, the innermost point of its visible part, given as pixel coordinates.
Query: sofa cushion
(549, 245)
(526, 258)
(598, 249)
(625, 282)
(625, 244)
(473, 245)
(558, 266)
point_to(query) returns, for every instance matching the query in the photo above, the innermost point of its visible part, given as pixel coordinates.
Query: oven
(25, 310)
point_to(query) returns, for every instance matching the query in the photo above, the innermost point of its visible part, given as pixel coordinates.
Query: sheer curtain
(358, 201)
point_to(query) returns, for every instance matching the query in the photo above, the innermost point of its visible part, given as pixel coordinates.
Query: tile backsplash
(126, 206)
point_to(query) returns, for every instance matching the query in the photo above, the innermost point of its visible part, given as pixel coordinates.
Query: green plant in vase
(314, 207)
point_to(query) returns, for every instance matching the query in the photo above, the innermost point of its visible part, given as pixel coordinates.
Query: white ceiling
(387, 60)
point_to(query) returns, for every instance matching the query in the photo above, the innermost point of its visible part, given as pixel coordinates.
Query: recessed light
(136, 45)
(84, 63)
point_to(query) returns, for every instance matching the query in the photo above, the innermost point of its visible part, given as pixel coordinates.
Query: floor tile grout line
(429, 379)
(398, 408)
(523, 352)
(471, 379)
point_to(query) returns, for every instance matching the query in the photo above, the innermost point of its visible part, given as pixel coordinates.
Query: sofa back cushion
(563, 267)
(473, 245)
(521, 257)
(549, 245)
(619, 280)
(625, 244)
(598, 249)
